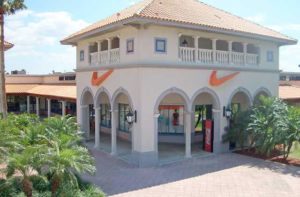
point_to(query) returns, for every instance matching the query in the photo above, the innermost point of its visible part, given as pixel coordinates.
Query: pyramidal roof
(183, 12)
(7, 45)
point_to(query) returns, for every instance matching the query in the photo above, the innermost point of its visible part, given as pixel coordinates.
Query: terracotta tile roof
(188, 12)
(289, 92)
(60, 91)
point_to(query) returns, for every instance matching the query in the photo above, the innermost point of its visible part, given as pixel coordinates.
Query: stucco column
(97, 127)
(114, 117)
(37, 106)
(28, 104)
(63, 108)
(155, 117)
(188, 137)
(196, 43)
(214, 48)
(84, 120)
(49, 107)
(230, 52)
(218, 132)
(245, 52)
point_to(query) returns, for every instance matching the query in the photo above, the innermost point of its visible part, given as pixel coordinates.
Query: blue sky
(36, 31)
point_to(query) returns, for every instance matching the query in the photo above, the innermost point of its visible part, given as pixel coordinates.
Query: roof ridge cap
(144, 7)
(255, 23)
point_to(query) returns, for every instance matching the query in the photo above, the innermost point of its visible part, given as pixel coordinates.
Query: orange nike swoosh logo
(96, 81)
(215, 81)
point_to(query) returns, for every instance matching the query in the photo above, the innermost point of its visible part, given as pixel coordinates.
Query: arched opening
(186, 41)
(222, 45)
(240, 101)
(122, 105)
(205, 121)
(104, 45)
(260, 93)
(172, 108)
(88, 114)
(115, 43)
(104, 121)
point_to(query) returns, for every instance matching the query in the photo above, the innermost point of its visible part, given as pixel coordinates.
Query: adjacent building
(177, 68)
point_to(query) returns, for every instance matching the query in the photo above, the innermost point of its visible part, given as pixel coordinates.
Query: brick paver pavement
(218, 175)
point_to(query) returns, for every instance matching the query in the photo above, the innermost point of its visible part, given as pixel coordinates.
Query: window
(294, 78)
(105, 115)
(282, 78)
(171, 119)
(160, 45)
(123, 111)
(130, 46)
(81, 55)
(70, 78)
(202, 113)
(270, 56)
(235, 108)
(61, 78)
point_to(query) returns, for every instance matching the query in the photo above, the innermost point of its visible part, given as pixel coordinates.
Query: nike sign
(96, 81)
(215, 81)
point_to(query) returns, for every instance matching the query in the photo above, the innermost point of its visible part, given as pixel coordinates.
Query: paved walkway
(218, 175)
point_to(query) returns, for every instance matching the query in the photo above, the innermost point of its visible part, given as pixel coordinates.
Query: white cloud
(36, 36)
(259, 18)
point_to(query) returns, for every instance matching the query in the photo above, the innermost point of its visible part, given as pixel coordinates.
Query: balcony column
(63, 108)
(28, 104)
(196, 43)
(49, 107)
(37, 106)
(188, 131)
(245, 52)
(230, 51)
(97, 127)
(99, 50)
(108, 50)
(179, 54)
(214, 47)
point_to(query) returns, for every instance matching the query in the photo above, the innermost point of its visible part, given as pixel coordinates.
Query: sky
(36, 31)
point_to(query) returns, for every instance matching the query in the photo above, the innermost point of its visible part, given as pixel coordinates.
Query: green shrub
(40, 184)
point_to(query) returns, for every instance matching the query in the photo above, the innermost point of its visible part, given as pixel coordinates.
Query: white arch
(119, 91)
(170, 91)
(208, 91)
(98, 93)
(84, 91)
(243, 90)
(262, 89)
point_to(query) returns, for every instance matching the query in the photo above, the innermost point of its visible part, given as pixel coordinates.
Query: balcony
(221, 52)
(105, 52)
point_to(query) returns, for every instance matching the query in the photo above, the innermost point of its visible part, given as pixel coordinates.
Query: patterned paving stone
(220, 175)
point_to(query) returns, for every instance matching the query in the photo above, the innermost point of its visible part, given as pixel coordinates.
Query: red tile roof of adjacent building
(289, 92)
(190, 12)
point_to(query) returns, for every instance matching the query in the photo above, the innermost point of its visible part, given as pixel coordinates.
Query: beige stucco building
(177, 64)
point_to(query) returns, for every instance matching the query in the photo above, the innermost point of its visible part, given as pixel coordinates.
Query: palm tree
(6, 7)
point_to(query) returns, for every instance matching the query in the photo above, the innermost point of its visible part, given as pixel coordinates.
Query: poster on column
(208, 136)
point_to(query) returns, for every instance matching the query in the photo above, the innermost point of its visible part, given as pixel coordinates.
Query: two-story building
(178, 66)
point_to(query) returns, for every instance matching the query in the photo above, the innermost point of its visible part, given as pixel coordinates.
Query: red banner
(208, 136)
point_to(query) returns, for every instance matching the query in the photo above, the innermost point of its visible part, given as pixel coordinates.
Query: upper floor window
(160, 45)
(270, 56)
(81, 55)
(130, 46)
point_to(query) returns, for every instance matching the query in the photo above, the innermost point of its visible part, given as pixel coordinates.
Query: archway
(206, 110)
(122, 137)
(172, 107)
(103, 120)
(240, 100)
(88, 114)
(259, 93)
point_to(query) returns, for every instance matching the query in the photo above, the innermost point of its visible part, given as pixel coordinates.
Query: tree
(6, 7)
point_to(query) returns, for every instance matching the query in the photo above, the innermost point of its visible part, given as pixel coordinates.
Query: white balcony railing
(206, 56)
(252, 59)
(114, 56)
(237, 58)
(187, 54)
(222, 57)
(101, 58)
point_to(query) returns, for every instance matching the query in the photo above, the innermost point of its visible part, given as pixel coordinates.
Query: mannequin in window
(175, 118)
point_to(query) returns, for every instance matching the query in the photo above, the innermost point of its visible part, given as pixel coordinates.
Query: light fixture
(227, 112)
(130, 117)
(185, 43)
